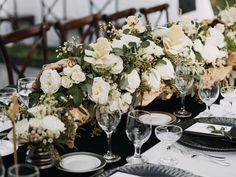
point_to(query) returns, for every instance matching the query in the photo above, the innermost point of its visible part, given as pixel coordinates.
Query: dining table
(121, 144)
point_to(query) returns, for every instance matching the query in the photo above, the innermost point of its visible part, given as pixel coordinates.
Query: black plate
(149, 170)
(208, 143)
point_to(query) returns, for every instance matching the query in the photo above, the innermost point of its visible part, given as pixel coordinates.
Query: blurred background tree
(221, 4)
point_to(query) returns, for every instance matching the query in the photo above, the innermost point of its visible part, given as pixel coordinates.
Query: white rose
(198, 46)
(50, 81)
(133, 81)
(215, 37)
(188, 25)
(129, 38)
(100, 91)
(126, 98)
(134, 24)
(220, 27)
(36, 111)
(175, 41)
(159, 32)
(66, 82)
(67, 71)
(166, 71)
(35, 122)
(116, 63)
(101, 48)
(152, 79)
(78, 76)
(117, 43)
(228, 16)
(53, 124)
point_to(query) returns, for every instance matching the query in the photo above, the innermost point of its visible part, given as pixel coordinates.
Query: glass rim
(138, 110)
(30, 166)
(3, 91)
(25, 79)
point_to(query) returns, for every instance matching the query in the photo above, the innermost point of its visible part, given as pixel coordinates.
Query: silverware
(194, 154)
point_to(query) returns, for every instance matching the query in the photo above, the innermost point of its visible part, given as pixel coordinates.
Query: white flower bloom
(166, 71)
(159, 32)
(67, 71)
(125, 102)
(134, 24)
(198, 46)
(50, 81)
(78, 76)
(220, 27)
(228, 16)
(116, 63)
(175, 41)
(53, 124)
(152, 79)
(100, 91)
(126, 38)
(36, 111)
(66, 82)
(22, 128)
(117, 43)
(188, 25)
(152, 49)
(215, 37)
(133, 81)
(35, 122)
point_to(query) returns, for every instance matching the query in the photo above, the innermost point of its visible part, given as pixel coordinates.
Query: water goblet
(2, 168)
(23, 170)
(208, 92)
(168, 134)
(138, 133)
(108, 121)
(183, 82)
(24, 89)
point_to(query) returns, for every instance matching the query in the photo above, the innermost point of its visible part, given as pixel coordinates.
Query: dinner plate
(80, 162)
(209, 143)
(6, 147)
(160, 118)
(149, 170)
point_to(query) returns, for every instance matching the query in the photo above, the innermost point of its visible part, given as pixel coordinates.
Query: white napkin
(120, 174)
(5, 125)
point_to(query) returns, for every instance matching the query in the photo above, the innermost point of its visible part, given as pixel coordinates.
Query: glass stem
(109, 151)
(208, 109)
(183, 101)
(137, 151)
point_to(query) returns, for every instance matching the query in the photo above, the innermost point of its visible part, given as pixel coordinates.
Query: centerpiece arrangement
(128, 67)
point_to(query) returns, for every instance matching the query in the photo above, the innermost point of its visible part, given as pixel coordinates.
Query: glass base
(183, 113)
(170, 161)
(136, 160)
(110, 158)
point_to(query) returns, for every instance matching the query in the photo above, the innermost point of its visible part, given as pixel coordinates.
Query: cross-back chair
(155, 10)
(87, 28)
(118, 18)
(38, 32)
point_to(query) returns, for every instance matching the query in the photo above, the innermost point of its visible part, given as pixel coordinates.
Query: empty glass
(208, 92)
(25, 88)
(138, 133)
(108, 121)
(2, 168)
(168, 134)
(183, 82)
(23, 170)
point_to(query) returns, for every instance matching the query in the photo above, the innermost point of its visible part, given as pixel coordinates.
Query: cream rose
(166, 71)
(175, 41)
(215, 37)
(152, 79)
(50, 81)
(125, 101)
(66, 82)
(100, 91)
(228, 16)
(116, 62)
(101, 48)
(133, 81)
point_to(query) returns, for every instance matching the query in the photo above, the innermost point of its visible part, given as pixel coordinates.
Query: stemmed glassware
(183, 82)
(168, 134)
(108, 121)
(138, 133)
(24, 89)
(228, 92)
(23, 170)
(208, 92)
(2, 168)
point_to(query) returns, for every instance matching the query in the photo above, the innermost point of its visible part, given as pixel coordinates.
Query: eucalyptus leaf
(77, 94)
(33, 98)
(126, 31)
(145, 44)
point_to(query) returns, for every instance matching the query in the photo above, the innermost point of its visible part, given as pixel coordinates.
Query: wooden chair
(87, 27)
(38, 32)
(118, 18)
(156, 9)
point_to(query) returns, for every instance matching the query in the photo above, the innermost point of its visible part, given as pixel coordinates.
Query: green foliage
(221, 4)
(231, 45)
(220, 131)
(34, 98)
(77, 93)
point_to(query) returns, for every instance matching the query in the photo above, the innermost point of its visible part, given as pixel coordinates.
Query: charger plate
(81, 162)
(149, 170)
(209, 143)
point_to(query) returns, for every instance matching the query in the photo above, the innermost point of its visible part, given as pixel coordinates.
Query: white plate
(6, 147)
(160, 118)
(81, 162)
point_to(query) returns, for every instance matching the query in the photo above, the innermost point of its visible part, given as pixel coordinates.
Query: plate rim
(202, 147)
(101, 158)
(10, 152)
(172, 116)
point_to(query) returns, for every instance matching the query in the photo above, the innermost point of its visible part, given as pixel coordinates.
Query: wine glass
(208, 92)
(228, 92)
(2, 168)
(138, 133)
(23, 170)
(108, 121)
(24, 89)
(168, 134)
(183, 82)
